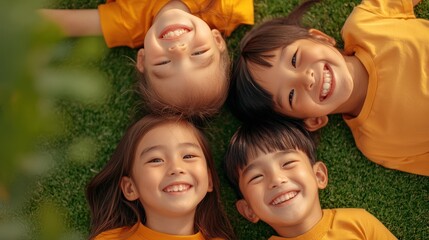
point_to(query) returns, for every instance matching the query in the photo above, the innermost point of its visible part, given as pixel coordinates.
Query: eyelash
(193, 54)
(155, 160)
(188, 156)
(199, 52)
(286, 164)
(291, 95)
(255, 177)
(294, 59)
(163, 63)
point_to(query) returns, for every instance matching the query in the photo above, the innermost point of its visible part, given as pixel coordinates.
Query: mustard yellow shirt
(392, 128)
(345, 223)
(141, 232)
(125, 22)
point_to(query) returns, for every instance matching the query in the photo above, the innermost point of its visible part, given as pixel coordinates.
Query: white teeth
(175, 33)
(177, 188)
(327, 78)
(284, 198)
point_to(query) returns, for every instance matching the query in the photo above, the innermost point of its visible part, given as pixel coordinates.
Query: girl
(379, 83)
(184, 65)
(159, 184)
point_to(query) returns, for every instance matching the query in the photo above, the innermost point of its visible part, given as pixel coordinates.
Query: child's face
(281, 189)
(169, 174)
(309, 78)
(181, 55)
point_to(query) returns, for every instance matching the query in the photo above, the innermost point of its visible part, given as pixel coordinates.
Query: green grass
(399, 200)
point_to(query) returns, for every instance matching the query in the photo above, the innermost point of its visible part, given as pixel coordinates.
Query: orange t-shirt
(125, 22)
(392, 128)
(345, 223)
(141, 232)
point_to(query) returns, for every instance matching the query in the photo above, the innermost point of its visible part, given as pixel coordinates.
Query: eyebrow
(161, 147)
(277, 155)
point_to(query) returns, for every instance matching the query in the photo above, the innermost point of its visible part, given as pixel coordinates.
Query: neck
(174, 5)
(360, 86)
(173, 225)
(302, 227)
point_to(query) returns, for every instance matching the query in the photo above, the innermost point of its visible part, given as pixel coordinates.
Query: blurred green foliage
(33, 80)
(59, 124)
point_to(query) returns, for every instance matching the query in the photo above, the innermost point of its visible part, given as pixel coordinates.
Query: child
(379, 83)
(159, 184)
(274, 170)
(184, 64)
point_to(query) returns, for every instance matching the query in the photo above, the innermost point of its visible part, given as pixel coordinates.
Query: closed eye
(288, 164)
(291, 95)
(199, 52)
(255, 178)
(162, 63)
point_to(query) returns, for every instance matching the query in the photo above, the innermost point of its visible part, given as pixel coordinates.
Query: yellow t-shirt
(392, 128)
(125, 22)
(141, 232)
(345, 223)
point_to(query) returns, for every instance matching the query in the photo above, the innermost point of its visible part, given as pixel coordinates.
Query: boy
(273, 166)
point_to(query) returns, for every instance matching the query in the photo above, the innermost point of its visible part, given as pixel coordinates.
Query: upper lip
(172, 28)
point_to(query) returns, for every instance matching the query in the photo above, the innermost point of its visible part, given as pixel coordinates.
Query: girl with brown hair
(160, 183)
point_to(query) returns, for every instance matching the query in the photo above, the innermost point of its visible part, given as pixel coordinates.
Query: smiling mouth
(174, 31)
(284, 197)
(176, 188)
(327, 84)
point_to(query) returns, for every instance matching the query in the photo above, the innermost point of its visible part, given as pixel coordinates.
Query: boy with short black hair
(274, 169)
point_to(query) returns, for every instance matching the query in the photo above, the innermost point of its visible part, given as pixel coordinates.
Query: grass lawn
(91, 132)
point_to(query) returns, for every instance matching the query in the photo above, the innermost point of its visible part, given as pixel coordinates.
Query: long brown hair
(247, 99)
(110, 209)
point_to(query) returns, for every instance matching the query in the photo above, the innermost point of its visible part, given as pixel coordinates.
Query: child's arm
(415, 2)
(75, 23)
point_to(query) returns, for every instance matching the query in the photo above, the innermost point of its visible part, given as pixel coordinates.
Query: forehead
(258, 158)
(175, 131)
(194, 85)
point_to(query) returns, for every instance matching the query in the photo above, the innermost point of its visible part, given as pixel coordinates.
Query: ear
(210, 189)
(220, 42)
(246, 211)
(128, 189)
(315, 123)
(321, 36)
(321, 172)
(140, 60)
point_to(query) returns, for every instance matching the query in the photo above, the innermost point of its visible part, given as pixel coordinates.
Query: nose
(308, 79)
(176, 168)
(277, 181)
(178, 47)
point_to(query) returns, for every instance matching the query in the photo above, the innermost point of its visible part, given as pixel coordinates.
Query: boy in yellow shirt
(273, 168)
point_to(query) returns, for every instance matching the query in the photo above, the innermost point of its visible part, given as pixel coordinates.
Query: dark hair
(269, 136)
(110, 209)
(247, 99)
